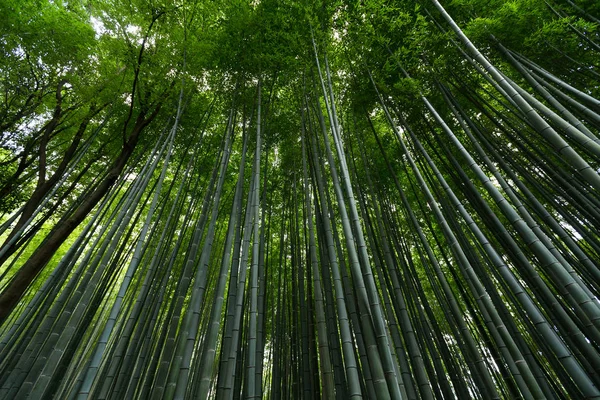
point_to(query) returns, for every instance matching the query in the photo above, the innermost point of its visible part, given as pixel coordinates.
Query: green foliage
(47, 32)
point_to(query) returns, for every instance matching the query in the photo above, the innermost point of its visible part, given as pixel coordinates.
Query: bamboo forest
(280, 199)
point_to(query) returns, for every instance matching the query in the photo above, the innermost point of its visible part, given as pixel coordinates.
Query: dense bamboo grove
(269, 199)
